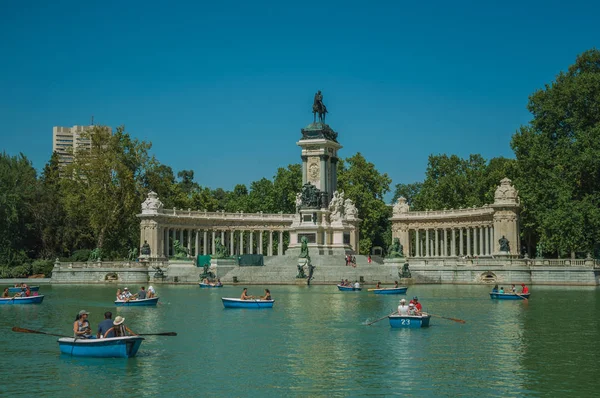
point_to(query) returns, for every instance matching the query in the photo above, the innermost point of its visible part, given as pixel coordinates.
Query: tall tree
(105, 186)
(286, 184)
(408, 191)
(362, 183)
(558, 158)
(18, 238)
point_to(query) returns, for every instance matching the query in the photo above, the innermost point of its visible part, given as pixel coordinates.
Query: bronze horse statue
(319, 108)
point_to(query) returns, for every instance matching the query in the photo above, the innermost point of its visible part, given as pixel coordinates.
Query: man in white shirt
(356, 285)
(403, 308)
(126, 294)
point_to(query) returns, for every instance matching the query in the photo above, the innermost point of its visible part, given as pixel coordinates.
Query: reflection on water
(314, 341)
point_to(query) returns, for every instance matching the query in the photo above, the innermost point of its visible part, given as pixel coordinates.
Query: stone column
(280, 245)
(333, 172)
(166, 242)
(197, 247)
(417, 245)
(468, 241)
(445, 247)
(436, 243)
(241, 242)
(260, 241)
(251, 245)
(231, 242)
(304, 171)
(173, 238)
(323, 176)
(270, 251)
(205, 242)
(212, 242)
(427, 242)
(453, 248)
(460, 242)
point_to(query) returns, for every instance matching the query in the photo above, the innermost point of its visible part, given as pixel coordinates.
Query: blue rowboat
(509, 296)
(20, 289)
(391, 290)
(23, 300)
(349, 288)
(114, 347)
(239, 303)
(137, 302)
(409, 321)
(209, 285)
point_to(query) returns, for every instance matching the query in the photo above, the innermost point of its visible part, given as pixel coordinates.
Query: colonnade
(451, 242)
(237, 241)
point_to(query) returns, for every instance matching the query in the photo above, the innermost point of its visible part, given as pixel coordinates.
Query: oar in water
(524, 298)
(22, 330)
(450, 319)
(383, 317)
(159, 334)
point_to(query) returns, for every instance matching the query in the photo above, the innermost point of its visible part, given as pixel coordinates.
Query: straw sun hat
(118, 320)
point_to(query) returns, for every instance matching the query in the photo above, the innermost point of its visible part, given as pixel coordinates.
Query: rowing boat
(391, 290)
(239, 303)
(23, 300)
(209, 285)
(409, 321)
(137, 302)
(509, 296)
(349, 288)
(113, 347)
(22, 289)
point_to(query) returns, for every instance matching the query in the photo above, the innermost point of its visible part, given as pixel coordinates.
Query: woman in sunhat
(119, 328)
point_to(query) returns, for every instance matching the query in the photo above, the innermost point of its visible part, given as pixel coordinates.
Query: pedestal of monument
(221, 266)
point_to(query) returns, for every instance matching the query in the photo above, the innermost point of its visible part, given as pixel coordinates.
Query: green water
(314, 342)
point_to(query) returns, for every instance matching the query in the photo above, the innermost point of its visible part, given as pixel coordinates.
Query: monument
(327, 220)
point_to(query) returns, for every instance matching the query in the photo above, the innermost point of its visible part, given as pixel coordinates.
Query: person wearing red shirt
(415, 301)
(524, 289)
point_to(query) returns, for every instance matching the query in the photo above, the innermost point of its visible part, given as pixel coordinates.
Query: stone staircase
(328, 269)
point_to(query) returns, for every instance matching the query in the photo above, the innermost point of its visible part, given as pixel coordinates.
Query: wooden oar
(524, 298)
(22, 330)
(375, 288)
(159, 334)
(450, 319)
(383, 317)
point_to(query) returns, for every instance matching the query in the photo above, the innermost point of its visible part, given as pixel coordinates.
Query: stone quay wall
(101, 272)
(330, 269)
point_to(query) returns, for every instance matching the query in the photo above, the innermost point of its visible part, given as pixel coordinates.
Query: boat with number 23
(409, 321)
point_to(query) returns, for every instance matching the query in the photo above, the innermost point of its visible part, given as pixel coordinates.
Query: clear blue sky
(224, 87)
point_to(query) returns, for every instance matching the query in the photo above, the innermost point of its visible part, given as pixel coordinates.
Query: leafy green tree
(558, 161)
(409, 191)
(18, 184)
(261, 197)
(105, 187)
(50, 213)
(160, 179)
(362, 183)
(286, 184)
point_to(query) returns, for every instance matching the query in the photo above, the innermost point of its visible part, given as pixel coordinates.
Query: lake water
(314, 342)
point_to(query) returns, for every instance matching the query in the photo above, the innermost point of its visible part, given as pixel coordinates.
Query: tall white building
(66, 141)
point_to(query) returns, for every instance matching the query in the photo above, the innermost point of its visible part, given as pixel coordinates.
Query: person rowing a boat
(81, 326)
(267, 295)
(119, 295)
(119, 329)
(245, 296)
(395, 284)
(378, 285)
(5, 294)
(218, 284)
(495, 289)
(151, 292)
(524, 289)
(415, 301)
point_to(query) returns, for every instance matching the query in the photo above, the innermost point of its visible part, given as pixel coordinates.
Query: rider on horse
(319, 107)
